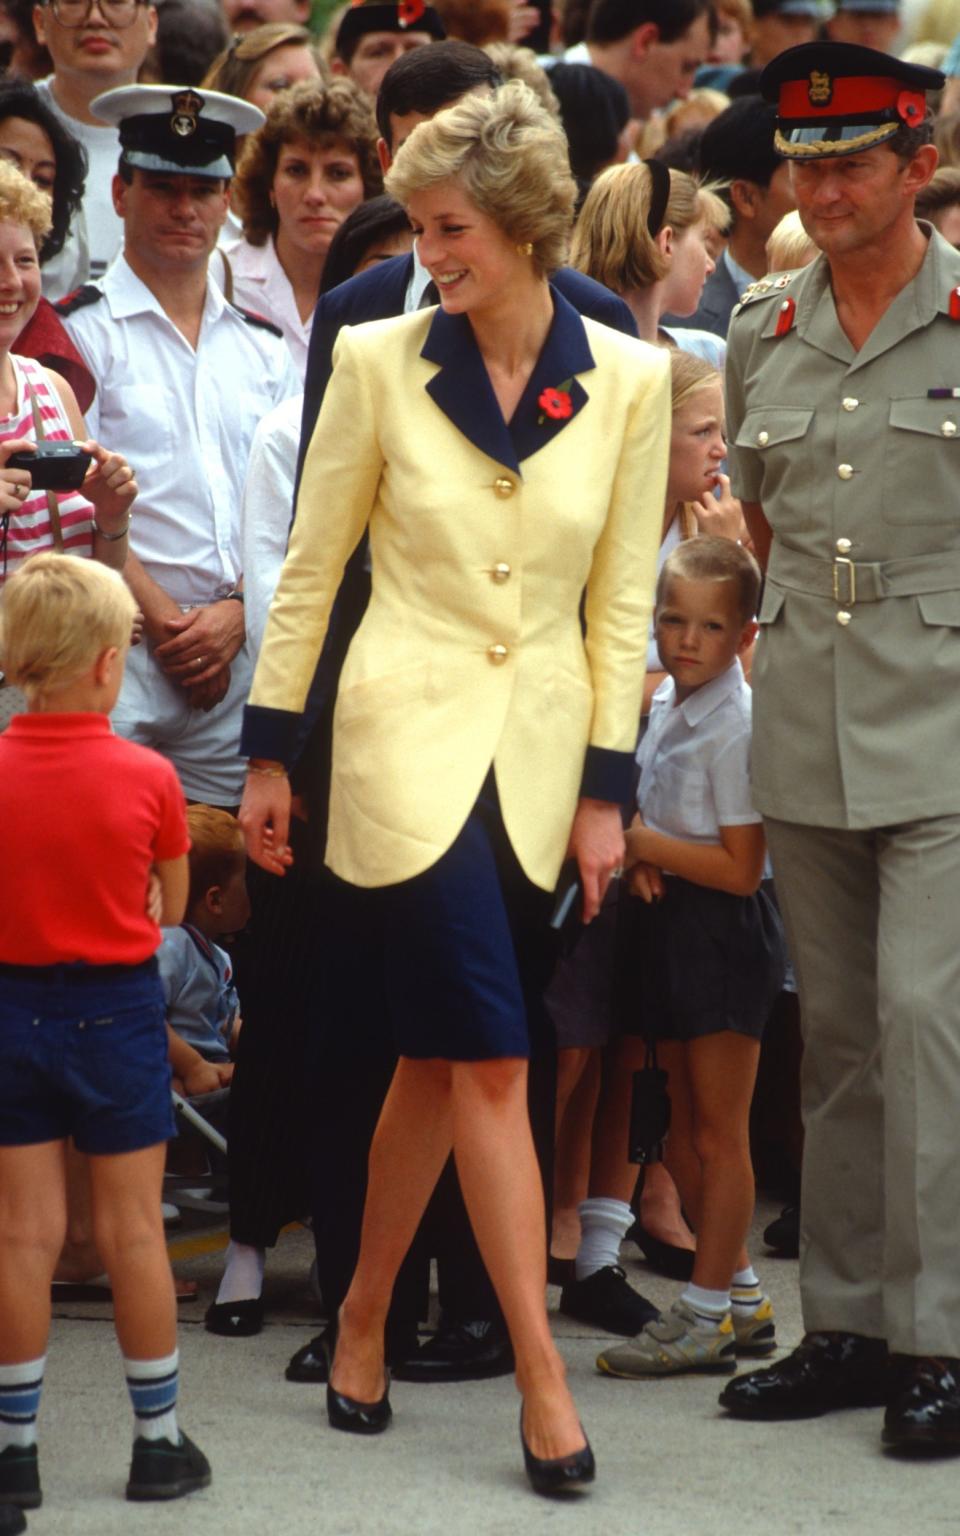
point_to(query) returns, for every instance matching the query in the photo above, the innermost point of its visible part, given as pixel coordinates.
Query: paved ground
(670, 1464)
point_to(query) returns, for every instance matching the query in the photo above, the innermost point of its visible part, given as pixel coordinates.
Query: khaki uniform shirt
(857, 466)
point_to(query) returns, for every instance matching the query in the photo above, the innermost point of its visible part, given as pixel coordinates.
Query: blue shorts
(83, 1053)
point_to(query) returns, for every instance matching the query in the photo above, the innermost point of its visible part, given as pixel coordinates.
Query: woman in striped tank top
(94, 520)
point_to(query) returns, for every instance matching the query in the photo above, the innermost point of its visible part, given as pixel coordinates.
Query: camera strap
(53, 506)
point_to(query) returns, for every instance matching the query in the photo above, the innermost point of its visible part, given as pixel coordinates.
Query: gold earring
(526, 249)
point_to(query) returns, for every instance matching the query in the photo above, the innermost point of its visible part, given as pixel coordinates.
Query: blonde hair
(217, 849)
(612, 242)
(514, 62)
(59, 613)
(23, 203)
(510, 158)
(688, 375)
(789, 245)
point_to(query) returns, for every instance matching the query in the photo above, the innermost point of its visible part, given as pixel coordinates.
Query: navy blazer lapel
(463, 391)
(566, 352)
(462, 388)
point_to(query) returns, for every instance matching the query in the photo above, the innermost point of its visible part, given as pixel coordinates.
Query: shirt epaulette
(252, 318)
(764, 288)
(78, 299)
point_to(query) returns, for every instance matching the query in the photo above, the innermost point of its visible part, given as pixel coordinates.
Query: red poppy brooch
(557, 404)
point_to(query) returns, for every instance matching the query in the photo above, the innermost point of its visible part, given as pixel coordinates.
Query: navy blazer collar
(463, 391)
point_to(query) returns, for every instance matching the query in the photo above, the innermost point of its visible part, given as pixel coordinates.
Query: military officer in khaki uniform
(844, 415)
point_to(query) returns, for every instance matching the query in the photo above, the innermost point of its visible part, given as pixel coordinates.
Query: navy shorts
(83, 1053)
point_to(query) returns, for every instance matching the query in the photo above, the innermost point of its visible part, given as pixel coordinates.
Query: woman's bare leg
(410, 1146)
(33, 1224)
(500, 1179)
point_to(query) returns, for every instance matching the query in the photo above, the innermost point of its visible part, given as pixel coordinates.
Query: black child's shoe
(161, 1470)
(20, 1477)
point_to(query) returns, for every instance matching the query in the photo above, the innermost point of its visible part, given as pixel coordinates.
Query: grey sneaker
(755, 1331)
(679, 1341)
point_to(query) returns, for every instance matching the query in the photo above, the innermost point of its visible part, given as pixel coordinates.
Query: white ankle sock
(243, 1273)
(710, 1306)
(603, 1226)
(152, 1385)
(746, 1279)
(20, 1387)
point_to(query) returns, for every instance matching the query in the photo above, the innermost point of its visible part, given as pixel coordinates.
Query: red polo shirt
(83, 816)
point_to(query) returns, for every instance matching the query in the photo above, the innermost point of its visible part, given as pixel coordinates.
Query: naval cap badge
(187, 106)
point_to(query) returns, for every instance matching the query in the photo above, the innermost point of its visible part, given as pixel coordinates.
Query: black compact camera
(649, 1113)
(54, 466)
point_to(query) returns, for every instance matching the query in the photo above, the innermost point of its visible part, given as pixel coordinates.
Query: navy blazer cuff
(273, 734)
(607, 775)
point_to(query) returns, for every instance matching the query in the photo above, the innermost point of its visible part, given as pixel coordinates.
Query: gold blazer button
(501, 572)
(497, 654)
(503, 487)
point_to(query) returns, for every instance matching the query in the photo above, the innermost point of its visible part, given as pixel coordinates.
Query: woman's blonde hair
(58, 613)
(23, 203)
(612, 242)
(510, 158)
(316, 113)
(789, 245)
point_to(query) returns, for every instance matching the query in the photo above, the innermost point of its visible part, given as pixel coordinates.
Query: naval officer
(844, 413)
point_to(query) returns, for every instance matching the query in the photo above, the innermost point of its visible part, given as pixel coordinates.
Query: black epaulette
(78, 299)
(252, 318)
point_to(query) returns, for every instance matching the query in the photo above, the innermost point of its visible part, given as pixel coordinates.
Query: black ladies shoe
(235, 1319)
(663, 1258)
(564, 1474)
(359, 1418)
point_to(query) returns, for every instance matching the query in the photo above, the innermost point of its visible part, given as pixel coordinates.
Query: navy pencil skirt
(466, 947)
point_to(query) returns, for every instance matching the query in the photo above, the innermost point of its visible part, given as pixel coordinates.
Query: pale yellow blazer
(471, 650)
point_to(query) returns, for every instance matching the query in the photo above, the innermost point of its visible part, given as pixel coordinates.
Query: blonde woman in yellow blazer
(506, 455)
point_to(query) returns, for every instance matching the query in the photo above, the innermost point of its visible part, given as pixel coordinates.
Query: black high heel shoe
(664, 1258)
(563, 1474)
(355, 1417)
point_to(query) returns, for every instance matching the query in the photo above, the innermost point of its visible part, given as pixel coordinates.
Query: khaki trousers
(873, 924)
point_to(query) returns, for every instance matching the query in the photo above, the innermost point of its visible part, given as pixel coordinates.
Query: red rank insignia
(785, 319)
(955, 303)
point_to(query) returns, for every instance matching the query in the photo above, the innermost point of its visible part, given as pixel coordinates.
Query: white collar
(128, 295)
(704, 700)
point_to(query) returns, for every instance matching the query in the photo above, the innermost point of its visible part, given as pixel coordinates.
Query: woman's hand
(110, 485)
(15, 484)
(719, 513)
(265, 819)
(596, 842)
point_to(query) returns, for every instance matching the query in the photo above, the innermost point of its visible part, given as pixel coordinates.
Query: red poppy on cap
(410, 11)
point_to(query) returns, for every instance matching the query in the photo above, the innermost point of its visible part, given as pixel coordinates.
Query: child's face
(699, 632)
(697, 445)
(233, 909)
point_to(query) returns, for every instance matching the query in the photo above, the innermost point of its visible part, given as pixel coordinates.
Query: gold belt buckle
(849, 570)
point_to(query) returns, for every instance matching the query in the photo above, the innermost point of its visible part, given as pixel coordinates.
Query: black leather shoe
(12, 1520)
(20, 1477)
(311, 1363)
(235, 1319)
(608, 1300)
(468, 1351)
(358, 1418)
(664, 1258)
(564, 1474)
(783, 1233)
(924, 1413)
(825, 1371)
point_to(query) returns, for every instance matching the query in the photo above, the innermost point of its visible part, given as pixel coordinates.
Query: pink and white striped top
(28, 529)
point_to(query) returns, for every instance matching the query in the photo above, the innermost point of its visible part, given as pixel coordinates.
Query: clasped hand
(645, 879)
(201, 645)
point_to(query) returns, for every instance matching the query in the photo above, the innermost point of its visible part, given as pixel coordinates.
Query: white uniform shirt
(96, 233)
(695, 760)
(260, 284)
(267, 511)
(185, 420)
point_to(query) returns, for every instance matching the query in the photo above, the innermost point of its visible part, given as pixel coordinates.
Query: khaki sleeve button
(503, 487)
(497, 654)
(500, 572)
(843, 617)
(949, 429)
(763, 439)
(845, 471)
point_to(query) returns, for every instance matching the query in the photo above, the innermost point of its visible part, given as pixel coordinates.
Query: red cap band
(849, 96)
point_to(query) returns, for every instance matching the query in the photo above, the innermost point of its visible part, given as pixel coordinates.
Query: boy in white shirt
(700, 950)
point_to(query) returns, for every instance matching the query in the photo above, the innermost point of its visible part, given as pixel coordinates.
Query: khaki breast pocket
(921, 461)
(780, 437)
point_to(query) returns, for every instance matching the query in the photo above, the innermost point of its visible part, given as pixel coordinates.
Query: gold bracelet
(268, 773)
(112, 538)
